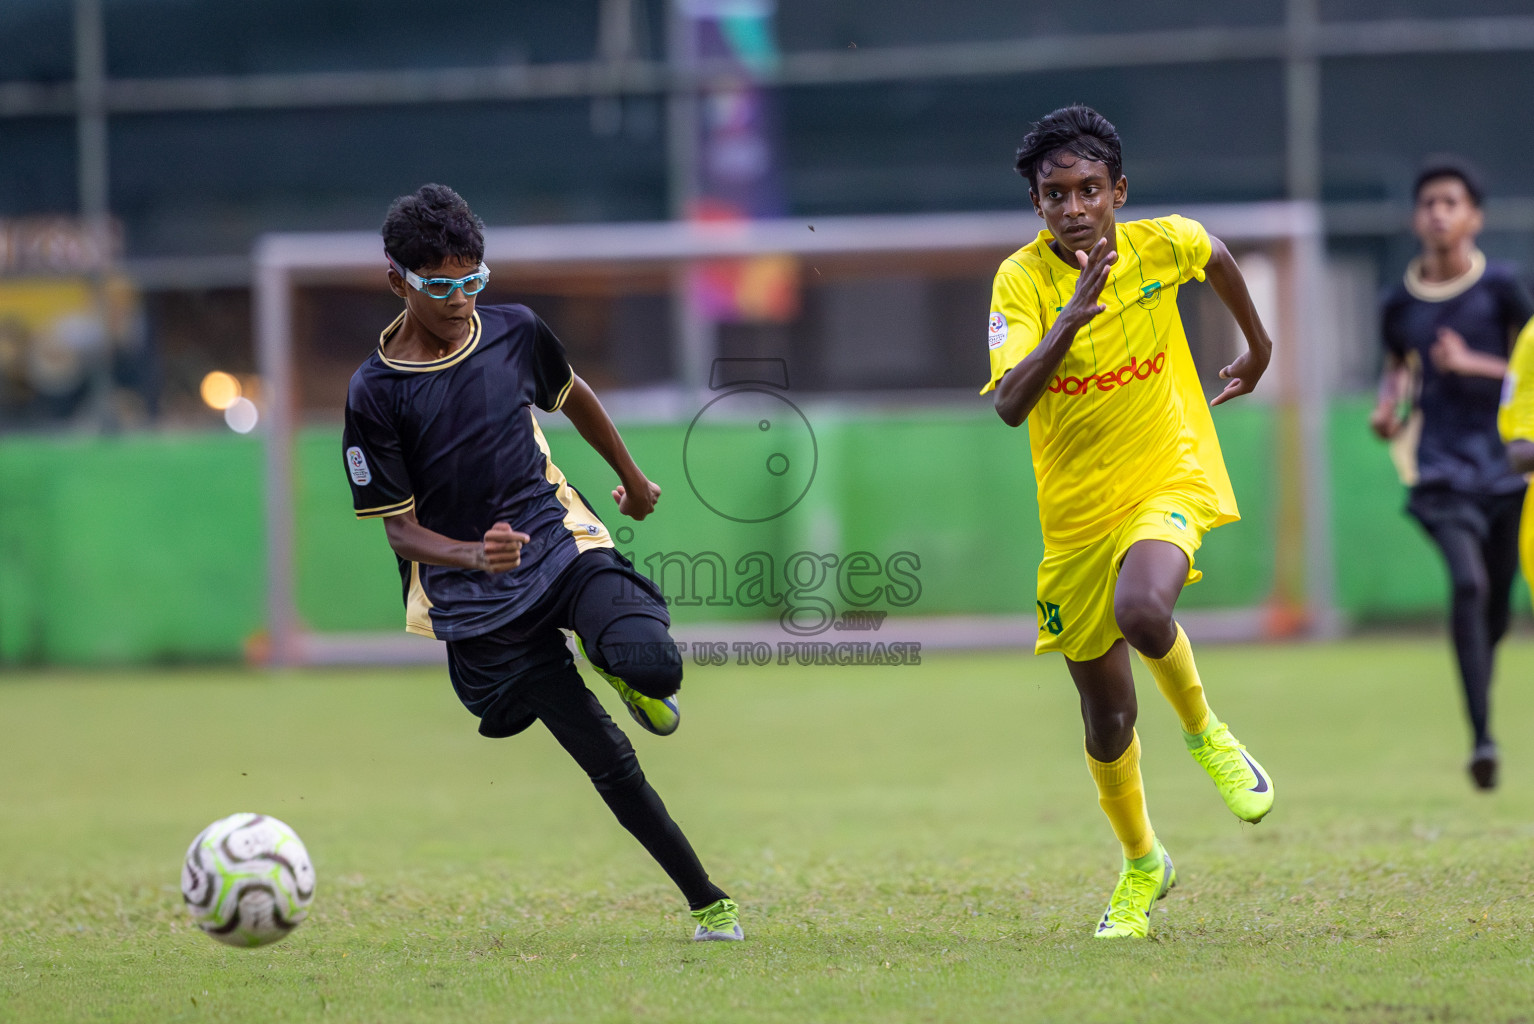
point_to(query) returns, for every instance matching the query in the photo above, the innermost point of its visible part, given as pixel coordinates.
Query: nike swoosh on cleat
(1262, 780)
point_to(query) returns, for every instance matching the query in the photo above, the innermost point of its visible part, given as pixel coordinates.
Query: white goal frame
(1304, 575)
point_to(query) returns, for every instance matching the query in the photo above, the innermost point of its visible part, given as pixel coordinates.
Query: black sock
(639, 809)
(1473, 650)
(1474, 611)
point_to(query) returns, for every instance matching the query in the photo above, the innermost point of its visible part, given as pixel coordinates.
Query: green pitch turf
(919, 843)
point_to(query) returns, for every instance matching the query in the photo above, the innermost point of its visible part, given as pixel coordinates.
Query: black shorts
(1480, 514)
(599, 594)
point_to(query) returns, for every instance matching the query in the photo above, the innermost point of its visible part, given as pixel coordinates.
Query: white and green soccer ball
(247, 880)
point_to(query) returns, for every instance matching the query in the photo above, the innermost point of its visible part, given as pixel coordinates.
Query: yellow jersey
(1124, 416)
(1515, 417)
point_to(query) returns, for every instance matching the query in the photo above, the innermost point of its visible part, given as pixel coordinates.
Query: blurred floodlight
(221, 391)
(241, 415)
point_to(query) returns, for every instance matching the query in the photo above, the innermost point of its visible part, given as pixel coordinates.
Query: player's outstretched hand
(639, 502)
(1083, 305)
(1244, 373)
(502, 548)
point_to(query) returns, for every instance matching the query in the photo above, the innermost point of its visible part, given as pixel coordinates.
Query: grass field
(919, 843)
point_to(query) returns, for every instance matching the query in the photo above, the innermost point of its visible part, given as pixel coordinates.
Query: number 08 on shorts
(1075, 594)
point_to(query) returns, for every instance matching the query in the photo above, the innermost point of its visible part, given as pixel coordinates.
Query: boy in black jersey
(497, 552)
(1453, 321)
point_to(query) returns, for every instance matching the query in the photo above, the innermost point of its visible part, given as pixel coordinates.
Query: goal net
(892, 506)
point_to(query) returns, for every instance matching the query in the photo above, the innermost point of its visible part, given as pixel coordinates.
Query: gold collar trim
(453, 358)
(1443, 291)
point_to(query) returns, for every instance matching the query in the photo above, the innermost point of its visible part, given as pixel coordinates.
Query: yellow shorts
(1075, 595)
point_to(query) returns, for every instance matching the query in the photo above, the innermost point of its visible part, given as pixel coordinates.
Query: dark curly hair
(431, 225)
(1447, 165)
(1075, 129)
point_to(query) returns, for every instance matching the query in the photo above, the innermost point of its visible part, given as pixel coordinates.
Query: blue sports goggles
(442, 287)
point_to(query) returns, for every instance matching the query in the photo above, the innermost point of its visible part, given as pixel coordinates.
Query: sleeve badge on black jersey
(357, 465)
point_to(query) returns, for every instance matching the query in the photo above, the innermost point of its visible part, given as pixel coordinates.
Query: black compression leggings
(1480, 578)
(619, 627)
(511, 677)
(620, 638)
(575, 717)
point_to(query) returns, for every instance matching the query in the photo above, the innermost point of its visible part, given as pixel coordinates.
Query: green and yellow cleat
(718, 922)
(660, 716)
(1245, 787)
(1128, 913)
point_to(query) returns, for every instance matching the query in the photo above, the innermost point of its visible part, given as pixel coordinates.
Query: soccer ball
(247, 880)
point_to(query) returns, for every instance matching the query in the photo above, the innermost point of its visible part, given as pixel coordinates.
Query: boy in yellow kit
(1515, 421)
(1087, 346)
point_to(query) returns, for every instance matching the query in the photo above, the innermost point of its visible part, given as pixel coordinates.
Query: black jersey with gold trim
(1459, 446)
(456, 441)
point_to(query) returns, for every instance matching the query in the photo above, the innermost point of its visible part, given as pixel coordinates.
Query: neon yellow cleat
(718, 922)
(1246, 788)
(1128, 913)
(660, 716)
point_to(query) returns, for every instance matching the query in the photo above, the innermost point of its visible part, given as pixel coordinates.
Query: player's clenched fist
(637, 502)
(502, 548)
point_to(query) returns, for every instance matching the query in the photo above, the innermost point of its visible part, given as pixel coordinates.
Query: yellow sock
(1177, 679)
(1122, 796)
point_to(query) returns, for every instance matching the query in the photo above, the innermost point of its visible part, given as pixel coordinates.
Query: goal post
(1303, 599)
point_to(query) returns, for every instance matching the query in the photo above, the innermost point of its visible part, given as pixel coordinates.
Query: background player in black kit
(497, 552)
(1453, 320)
